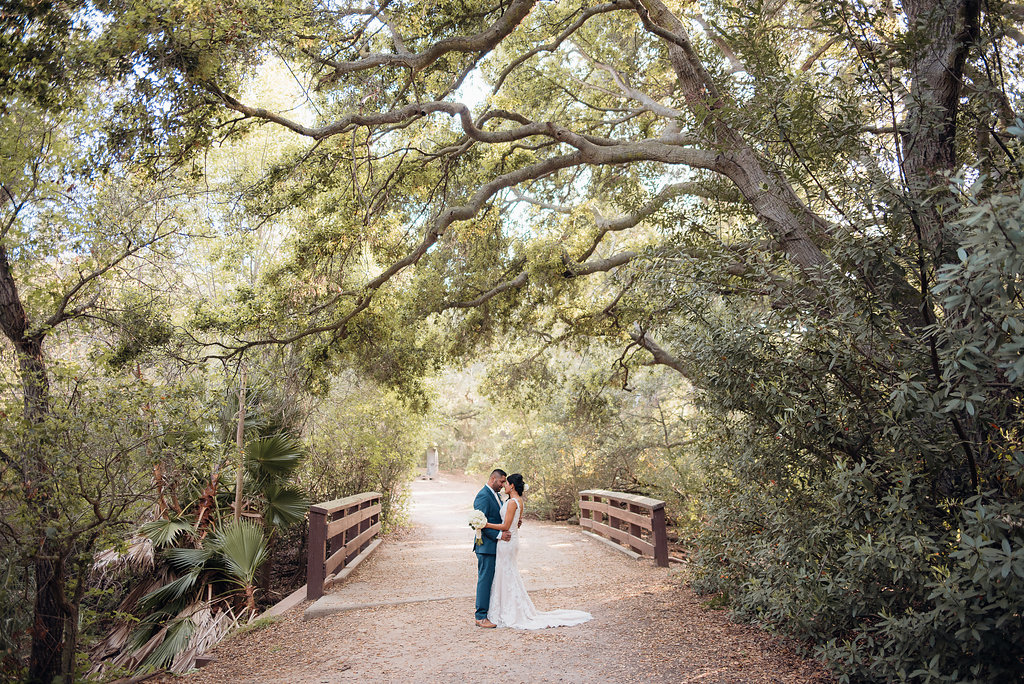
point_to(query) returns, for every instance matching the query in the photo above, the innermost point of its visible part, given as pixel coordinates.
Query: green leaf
(285, 506)
(170, 593)
(274, 457)
(164, 532)
(178, 635)
(243, 548)
(186, 560)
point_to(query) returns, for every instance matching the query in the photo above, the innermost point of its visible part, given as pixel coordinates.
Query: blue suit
(487, 502)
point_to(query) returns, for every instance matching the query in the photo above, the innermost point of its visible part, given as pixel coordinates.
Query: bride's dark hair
(517, 482)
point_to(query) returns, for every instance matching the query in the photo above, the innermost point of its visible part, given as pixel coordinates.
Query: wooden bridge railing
(339, 531)
(634, 522)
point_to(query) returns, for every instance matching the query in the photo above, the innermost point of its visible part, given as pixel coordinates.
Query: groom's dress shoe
(485, 623)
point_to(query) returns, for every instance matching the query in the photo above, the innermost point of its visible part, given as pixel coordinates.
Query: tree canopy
(806, 213)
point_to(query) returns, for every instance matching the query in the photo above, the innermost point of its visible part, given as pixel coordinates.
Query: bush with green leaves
(875, 508)
(363, 438)
(571, 425)
(891, 586)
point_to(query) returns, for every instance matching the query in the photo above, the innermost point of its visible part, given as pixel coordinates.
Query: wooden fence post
(634, 529)
(315, 573)
(660, 533)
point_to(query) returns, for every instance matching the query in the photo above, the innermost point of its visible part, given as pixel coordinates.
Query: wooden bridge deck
(405, 615)
(434, 560)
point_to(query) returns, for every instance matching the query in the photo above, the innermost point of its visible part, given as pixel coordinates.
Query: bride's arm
(510, 512)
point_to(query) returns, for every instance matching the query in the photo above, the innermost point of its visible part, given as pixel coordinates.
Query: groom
(488, 502)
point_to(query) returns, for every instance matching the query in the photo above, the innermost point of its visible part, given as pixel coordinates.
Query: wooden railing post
(660, 536)
(635, 523)
(315, 574)
(339, 532)
(349, 535)
(634, 529)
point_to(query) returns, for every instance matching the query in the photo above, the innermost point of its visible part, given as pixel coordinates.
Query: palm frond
(285, 505)
(138, 554)
(176, 639)
(170, 594)
(142, 635)
(164, 532)
(273, 458)
(185, 560)
(211, 627)
(242, 548)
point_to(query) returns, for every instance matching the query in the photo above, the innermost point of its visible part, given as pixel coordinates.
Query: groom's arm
(480, 504)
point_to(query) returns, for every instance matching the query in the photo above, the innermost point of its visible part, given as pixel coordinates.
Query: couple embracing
(501, 598)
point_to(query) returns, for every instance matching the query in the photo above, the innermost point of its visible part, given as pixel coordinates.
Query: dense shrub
(363, 438)
(889, 585)
(865, 480)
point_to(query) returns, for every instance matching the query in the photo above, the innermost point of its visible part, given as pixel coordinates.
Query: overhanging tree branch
(661, 357)
(598, 265)
(664, 195)
(481, 42)
(516, 282)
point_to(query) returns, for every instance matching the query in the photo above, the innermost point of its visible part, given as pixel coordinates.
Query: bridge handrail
(339, 531)
(624, 518)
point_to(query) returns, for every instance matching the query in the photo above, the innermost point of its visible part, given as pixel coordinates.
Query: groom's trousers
(484, 578)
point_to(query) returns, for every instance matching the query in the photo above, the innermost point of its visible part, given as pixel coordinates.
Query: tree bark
(48, 565)
(48, 626)
(946, 29)
(800, 233)
(50, 615)
(72, 610)
(240, 444)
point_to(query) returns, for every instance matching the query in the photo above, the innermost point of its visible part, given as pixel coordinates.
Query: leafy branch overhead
(675, 104)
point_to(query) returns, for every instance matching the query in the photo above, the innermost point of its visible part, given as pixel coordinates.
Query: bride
(510, 605)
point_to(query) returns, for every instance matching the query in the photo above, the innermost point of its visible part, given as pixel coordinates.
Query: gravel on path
(406, 615)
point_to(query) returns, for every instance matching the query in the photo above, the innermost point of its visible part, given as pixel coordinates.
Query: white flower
(477, 520)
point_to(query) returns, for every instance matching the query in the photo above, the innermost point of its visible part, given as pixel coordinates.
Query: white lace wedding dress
(510, 605)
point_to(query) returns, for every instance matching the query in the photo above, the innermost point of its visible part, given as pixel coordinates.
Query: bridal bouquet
(477, 520)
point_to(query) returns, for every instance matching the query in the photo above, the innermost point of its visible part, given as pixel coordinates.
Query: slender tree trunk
(67, 667)
(48, 627)
(49, 609)
(71, 611)
(947, 30)
(50, 614)
(35, 383)
(240, 444)
(158, 465)
(250, 600)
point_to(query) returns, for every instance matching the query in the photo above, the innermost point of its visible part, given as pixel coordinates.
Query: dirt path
(405, 615)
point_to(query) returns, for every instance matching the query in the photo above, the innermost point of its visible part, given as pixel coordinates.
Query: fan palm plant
(210, 566)
(230, 557)
(271, 463)
(241, 548)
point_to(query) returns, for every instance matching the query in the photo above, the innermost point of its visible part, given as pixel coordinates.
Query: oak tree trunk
(37, 480)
